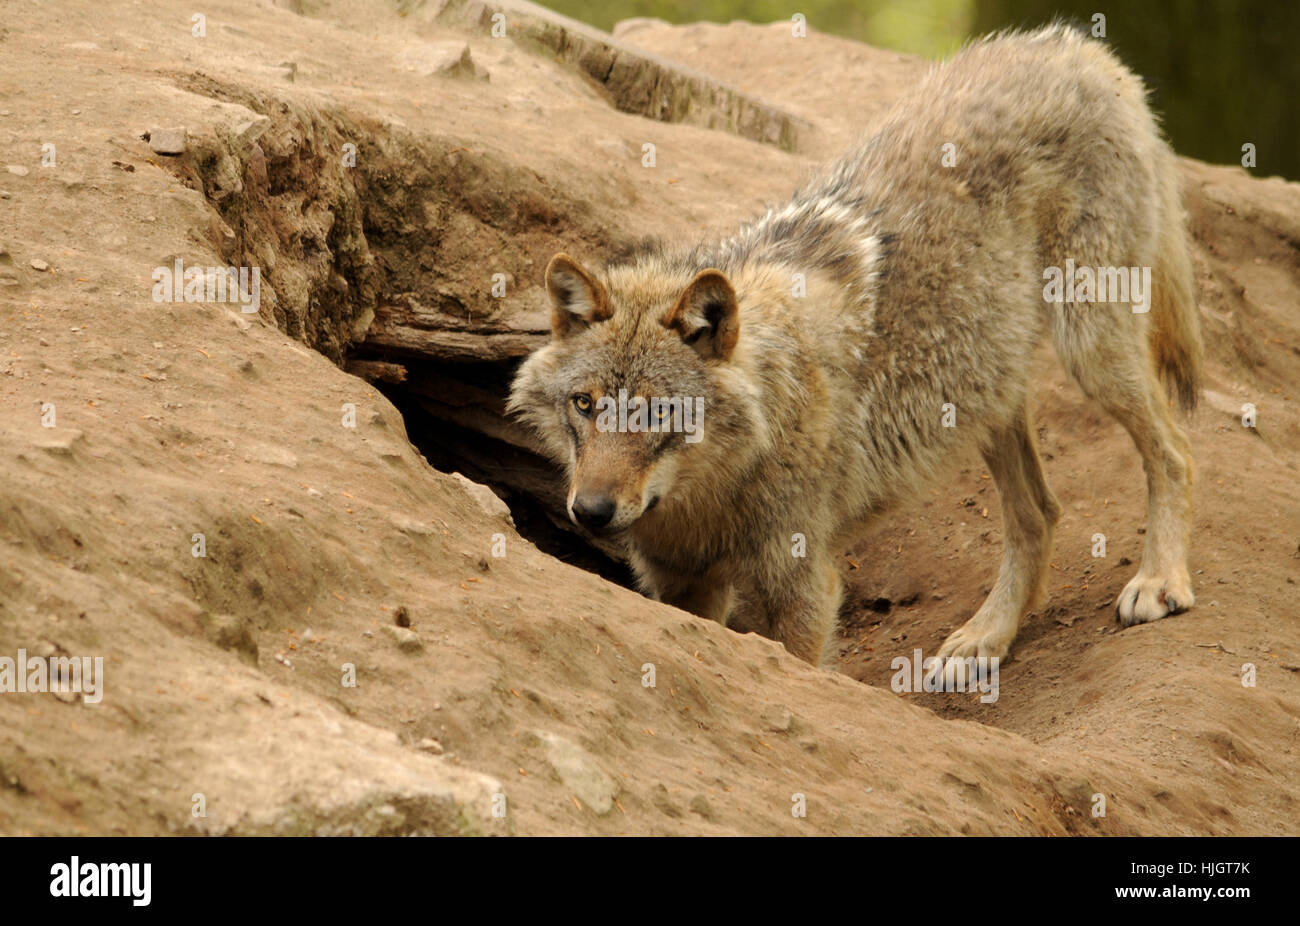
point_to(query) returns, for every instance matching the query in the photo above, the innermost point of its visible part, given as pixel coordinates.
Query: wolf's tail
(1175, 330)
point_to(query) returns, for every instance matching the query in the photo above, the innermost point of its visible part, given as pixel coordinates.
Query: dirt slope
(519, 675)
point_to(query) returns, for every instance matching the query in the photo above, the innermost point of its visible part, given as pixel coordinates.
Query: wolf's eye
(660, 412)
(583, 404)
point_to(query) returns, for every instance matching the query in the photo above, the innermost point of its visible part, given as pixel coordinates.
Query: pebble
(777, 718)
(58, 442)
(17, 170)
(580, 772)
(38, 264)
(408, 641)
(167, 141)
(429, 744)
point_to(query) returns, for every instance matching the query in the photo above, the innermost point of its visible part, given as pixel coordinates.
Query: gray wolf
(852, 344)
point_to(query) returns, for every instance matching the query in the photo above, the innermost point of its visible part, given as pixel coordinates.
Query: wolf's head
(626, 392)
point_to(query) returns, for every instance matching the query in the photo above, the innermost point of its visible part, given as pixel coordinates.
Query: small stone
(663, 802)
(272, 456)
(700, 805)
(429, 744)
(403, 617)
(58, 442)
(408, 641)
(17, 170)
(38, 264)
(410, 526)
(777, 718)
(580, 773)
(167, 141)
(451, 59)
(490, 503)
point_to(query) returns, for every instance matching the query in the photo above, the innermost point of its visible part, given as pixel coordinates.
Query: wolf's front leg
(708, 596)
(803, 604)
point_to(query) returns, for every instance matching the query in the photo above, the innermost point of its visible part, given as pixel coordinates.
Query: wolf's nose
(593, 511)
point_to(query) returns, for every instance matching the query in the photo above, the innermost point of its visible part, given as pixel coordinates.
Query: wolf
(851, 345)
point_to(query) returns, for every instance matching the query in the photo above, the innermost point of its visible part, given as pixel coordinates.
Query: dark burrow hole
(522, 479)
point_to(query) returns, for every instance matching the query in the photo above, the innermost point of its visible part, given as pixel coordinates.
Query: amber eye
(583, 404)
(661, 412)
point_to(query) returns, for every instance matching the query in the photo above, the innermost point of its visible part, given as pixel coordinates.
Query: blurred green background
(1222, 72)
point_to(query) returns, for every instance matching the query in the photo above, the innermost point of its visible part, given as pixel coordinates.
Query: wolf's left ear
(707, 316)
(577, 298)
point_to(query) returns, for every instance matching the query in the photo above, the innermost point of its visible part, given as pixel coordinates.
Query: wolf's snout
(592, 510)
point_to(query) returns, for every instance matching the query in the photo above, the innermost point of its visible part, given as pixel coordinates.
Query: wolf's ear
(706, 315)
(577, 298)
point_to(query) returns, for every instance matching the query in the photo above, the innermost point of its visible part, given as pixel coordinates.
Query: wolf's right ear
(707, 315)
(577, 298)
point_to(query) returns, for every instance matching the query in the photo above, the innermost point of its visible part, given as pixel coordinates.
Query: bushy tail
(1175, 329)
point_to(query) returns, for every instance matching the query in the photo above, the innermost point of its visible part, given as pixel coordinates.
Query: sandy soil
(520, 682)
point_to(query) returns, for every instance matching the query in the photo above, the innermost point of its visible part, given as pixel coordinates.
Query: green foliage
(924, 27)
(1222, 72)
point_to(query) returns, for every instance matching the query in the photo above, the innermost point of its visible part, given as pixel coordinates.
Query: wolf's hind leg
(1114, 368)
(1029, 515)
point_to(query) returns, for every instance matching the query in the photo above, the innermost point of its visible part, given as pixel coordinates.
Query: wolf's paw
(1149, 598)
(982, 635)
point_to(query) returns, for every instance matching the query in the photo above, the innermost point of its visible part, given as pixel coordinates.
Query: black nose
(593, 511)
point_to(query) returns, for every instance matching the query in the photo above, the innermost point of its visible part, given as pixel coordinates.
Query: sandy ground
(518, 699)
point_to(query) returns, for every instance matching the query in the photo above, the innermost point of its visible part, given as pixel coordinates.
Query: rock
(777, 718)
(408, 641)
(660, 798)
(167, 141)
(445, 59)
(429, 744)
(17, 170)
(700, 805)
(58, 442)
(580, 772)
(488, 500)
(272, 456)
(410, 526)
(38, 264)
